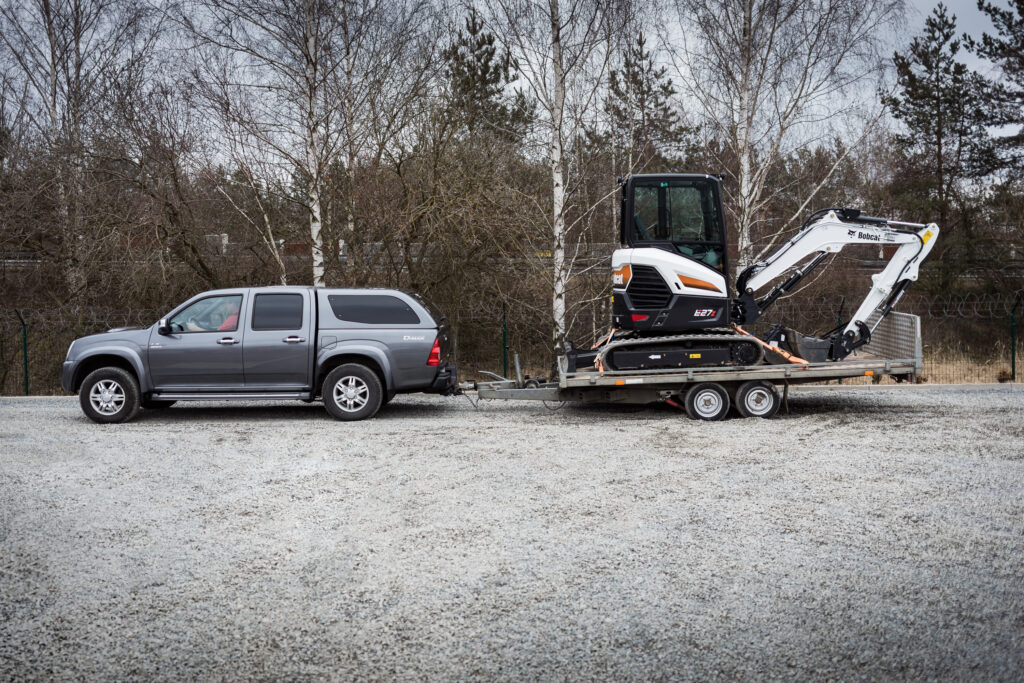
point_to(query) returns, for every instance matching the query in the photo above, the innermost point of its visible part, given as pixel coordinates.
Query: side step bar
(232, 396)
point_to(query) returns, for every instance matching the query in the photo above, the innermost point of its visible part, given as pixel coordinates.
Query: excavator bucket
(811, 349)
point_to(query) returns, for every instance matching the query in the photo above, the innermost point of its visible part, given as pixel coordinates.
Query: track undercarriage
(714, 347)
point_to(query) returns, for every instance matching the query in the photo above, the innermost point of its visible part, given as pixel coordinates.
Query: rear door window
(372, 309)
(277, 312)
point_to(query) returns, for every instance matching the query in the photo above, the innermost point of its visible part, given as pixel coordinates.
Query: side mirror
(162, 327)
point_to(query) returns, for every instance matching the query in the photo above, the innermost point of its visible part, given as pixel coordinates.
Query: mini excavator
(673, 306)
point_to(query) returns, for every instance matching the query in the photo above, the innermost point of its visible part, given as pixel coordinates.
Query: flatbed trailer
(708, 392)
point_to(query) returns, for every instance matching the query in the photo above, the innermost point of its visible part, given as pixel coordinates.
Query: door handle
(293, 340)
(227, 341)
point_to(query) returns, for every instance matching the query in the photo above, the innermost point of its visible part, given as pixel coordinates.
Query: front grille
(647, 290)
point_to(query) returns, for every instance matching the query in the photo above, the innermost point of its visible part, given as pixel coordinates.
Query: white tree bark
(560, 271)
(744, 124)
(313, 141)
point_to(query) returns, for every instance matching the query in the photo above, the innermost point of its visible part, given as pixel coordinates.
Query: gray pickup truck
(355, 348)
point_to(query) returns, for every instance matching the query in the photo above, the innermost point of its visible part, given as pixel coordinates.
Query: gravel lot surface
(875, 533)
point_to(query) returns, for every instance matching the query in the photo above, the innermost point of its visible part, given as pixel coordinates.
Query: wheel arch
(371, 358)
(125, 360)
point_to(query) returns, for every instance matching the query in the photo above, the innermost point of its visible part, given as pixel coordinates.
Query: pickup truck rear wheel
(352, 392)
(109, 395)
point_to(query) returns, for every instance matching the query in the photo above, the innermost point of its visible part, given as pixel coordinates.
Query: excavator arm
(826, 233)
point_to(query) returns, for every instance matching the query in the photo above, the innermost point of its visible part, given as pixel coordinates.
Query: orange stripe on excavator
(795, 360)
(698, 284)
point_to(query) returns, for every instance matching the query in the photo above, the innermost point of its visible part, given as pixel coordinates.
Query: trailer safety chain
(476, 404)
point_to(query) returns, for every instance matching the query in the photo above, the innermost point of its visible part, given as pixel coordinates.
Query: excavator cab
(680, 213)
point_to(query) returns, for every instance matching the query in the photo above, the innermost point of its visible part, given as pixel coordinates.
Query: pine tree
(1006, 50)
(942, 105)
(643, 121)
(478, 76)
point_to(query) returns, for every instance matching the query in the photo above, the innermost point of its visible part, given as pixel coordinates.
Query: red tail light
(435, 354)
(639, 317)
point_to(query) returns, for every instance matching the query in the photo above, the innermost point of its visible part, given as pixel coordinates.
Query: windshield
(683, 212)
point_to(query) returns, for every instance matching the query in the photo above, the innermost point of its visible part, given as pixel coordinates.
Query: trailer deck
(895, 349)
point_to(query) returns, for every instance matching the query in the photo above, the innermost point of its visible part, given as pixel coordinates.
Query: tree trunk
(62, 151)
(313, 151)
(743, 144)
(561, 274)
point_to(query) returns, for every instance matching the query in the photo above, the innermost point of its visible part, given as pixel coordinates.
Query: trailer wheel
(707, 401)
(757, 399)
(352, 392)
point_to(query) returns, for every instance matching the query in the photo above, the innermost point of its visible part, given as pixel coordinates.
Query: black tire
(707, 401)
(757, 399)
(110, 395)
(150, 404)
(352, 392)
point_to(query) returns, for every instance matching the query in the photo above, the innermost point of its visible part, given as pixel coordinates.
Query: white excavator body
(673, 305)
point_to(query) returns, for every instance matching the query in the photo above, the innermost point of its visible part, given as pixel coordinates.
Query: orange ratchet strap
(795, 360)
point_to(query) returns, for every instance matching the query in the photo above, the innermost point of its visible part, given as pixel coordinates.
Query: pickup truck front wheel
(109, 395)
(352, 392)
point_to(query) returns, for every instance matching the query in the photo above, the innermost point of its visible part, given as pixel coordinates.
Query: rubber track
(724, 335)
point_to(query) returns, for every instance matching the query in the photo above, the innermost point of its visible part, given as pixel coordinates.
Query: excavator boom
(829, 234)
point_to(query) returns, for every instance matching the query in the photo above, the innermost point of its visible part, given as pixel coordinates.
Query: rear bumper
(67, 374)
(446, 382)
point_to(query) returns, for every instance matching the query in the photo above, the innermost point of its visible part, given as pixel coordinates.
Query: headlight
(68, 357)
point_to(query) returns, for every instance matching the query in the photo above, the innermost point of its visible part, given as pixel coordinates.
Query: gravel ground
(875, 533)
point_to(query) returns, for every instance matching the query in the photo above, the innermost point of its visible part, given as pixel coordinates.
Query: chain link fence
(966, 339)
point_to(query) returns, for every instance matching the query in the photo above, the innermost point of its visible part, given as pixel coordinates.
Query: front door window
(212, 314)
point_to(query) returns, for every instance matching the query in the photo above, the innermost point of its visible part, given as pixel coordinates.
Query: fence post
(24, 347)
(504, 342)
(840, 326)
(1013, 337)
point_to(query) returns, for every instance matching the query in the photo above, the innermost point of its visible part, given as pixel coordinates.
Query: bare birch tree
(270, 83)
(385, 61)
(68, 55)
(311, 83)
(559, 48)
(766, 75)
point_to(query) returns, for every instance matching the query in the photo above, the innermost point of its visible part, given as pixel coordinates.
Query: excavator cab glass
(680, 214)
